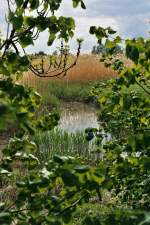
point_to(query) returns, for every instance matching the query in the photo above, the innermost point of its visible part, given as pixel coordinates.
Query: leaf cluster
(124, 112)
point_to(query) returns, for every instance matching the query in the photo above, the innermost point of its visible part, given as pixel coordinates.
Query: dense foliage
(46, 195)
(50, 194)
(102, 49)
(125, 115)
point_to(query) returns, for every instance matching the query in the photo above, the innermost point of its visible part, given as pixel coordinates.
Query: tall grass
(62, 143)
(70, 91)
(75, 86)
(67, 91)
(88, 68)
(55, 92)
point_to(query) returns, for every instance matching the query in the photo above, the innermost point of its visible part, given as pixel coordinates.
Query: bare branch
(61, 68)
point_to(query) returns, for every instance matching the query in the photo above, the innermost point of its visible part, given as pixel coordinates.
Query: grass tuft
(62, 143)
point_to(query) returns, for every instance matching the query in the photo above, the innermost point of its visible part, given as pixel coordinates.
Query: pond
(77, 116)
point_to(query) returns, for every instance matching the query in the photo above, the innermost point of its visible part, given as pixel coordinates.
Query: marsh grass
(63, 143)
(70, 91)
(88, 68)
(53, 92)
(75, 86)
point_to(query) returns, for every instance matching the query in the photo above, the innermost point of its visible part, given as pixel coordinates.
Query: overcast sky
(129, 17)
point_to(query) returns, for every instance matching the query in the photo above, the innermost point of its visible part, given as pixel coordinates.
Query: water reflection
(77, 116)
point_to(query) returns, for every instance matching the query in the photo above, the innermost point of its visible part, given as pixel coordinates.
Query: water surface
(77, 116)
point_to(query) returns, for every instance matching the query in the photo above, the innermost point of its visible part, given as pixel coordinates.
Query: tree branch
(140, 85)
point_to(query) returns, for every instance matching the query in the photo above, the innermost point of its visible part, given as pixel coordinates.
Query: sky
(129, 17)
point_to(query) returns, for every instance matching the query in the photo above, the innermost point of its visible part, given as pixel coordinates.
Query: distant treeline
(102, 49)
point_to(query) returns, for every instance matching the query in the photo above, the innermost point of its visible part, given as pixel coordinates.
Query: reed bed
(75, 86)
(63, 143)
(72, 91)
(88, 68)
(55, 92)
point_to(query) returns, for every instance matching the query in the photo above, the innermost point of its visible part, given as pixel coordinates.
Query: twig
(138, 83)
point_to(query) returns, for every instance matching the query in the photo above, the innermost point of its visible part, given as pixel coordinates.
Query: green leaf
(24, 61)
(3, 69)
(69, 178)
(66, 217)
(83, 5)
(25, 40)
(16, 21)
(127, 102)
(82, 169)
(34, 4)
(53, 221)
(30, 21)
(70, 23)
(89, 136)
(132, 52)
(110, 44)
(147, 53)
(118, 40)
(2, 172)
(19, 3)
(132, 142)
(92, 29)
(75, 3)
(51, 39)
(5, 218)
(60, 159)
(111, 31)
(12, 58)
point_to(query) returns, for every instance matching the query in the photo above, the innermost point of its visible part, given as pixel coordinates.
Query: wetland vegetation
(78, 152)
